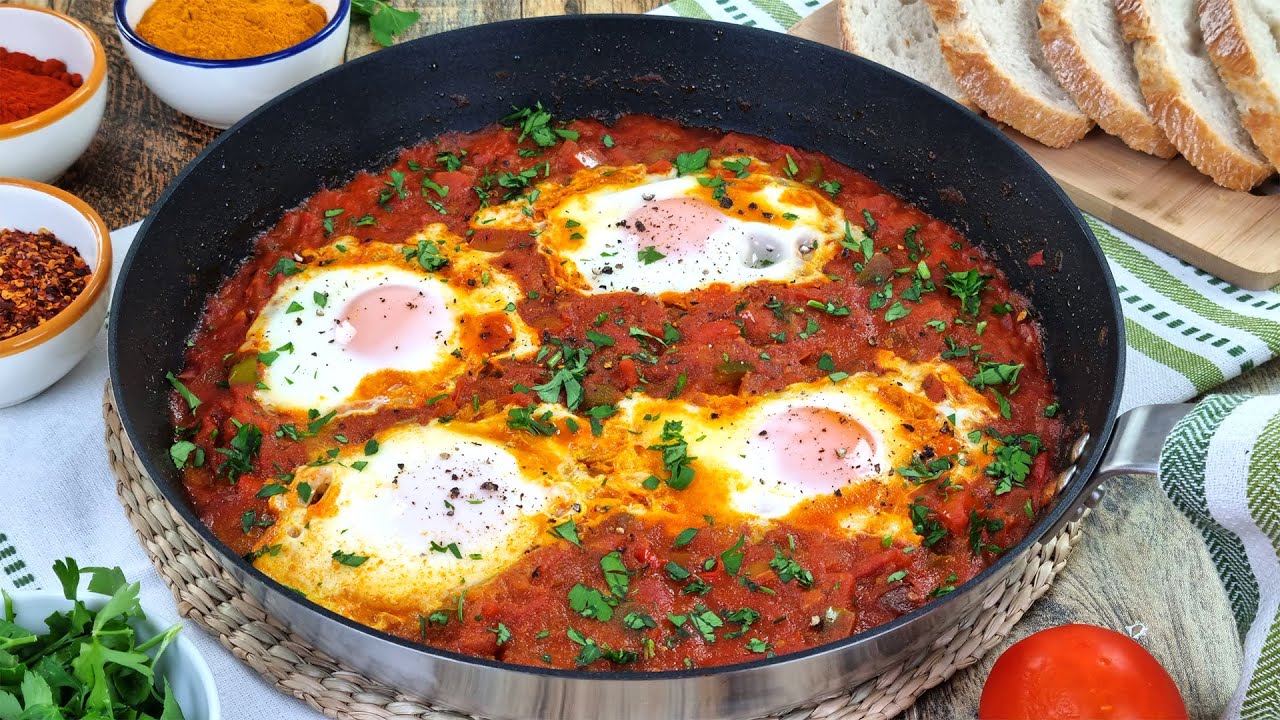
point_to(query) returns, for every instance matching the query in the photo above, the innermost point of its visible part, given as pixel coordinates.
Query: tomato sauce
(847, 584)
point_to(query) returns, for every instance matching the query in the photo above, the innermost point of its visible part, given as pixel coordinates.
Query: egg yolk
(817, 448)
(675, 226)
(684, 227)
(383, 322)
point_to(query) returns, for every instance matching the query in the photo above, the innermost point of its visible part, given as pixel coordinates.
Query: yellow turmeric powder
(229, 29)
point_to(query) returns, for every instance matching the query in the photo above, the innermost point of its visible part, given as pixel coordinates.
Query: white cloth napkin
(59, 500)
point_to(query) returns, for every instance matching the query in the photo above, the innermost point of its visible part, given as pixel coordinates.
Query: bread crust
(849, 43)
(1090, 90)
(1241, 70)
(1182, 123)
(993, 90)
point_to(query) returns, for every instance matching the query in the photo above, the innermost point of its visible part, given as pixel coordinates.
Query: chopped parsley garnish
(896, 311)
(240, 451)
(716, 183)
(921, 471)
(523, 418)
(451, 161)
(831, 187)
(967, 286)
(649, 255)
(870, 226)
(946, 589)
(567, 378)
(185, 451)
(429, 184)
(638, 621)
(1013, 460)
(685, 537)
(285, 266)
(681, 380)
(193, 402)
(597, 414)
(395, 187)
(567, 530)
(535, 124)
(926, 525)
(615, 574)
(607, 141)
(504, 634)
(737, 167)
(687, 163)
(791, 169)
(272, 489)
(732, 558)
(706, 622)
(990, 373)
(979, 525)
(675, 455)
(788, 569)
(810, 329)
(589, 603)
(830, 307)
(427, 253)
(349, 559)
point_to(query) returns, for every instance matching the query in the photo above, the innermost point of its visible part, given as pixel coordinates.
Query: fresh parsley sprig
(385, 22)
(90, 663)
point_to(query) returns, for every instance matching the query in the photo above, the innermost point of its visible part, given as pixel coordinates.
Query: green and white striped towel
(1187, 332)
(1221, 467)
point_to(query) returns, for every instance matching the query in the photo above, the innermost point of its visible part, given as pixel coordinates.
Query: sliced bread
(1083, 44)
(1243, 37)
(901, 35)
(1185, 94)
(993, 50)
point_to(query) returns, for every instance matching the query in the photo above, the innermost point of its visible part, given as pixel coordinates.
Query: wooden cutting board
(1233, 235)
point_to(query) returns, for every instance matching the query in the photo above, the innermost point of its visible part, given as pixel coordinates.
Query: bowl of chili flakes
(53, 91)
(55, 268)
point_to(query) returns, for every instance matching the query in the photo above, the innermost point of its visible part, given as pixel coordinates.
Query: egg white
(754, 456)
(368, 310)
(434, 510)
(623, 229)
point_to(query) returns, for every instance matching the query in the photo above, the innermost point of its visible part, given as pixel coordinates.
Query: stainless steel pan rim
(805, 675)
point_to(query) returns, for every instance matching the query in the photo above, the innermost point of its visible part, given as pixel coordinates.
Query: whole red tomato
(1079, 672)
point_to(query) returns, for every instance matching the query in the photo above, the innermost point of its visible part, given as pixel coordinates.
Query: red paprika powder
(29, 85)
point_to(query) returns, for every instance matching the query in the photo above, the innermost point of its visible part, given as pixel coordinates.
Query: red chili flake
(39, 277)
(1036, 259)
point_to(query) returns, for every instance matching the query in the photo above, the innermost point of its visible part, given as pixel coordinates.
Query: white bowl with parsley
(77, 651)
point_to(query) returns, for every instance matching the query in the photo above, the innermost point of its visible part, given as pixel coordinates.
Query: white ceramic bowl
(184, 671)
(220, 92)
(43, 146)
(36, 359)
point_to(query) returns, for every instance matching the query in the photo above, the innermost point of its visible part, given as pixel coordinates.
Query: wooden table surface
(1139, 563)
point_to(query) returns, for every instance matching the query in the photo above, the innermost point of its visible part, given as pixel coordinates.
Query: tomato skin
(1079, 672)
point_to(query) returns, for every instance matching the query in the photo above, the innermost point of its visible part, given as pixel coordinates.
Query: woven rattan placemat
(211, 598)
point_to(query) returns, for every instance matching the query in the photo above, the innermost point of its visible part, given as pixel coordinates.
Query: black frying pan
(915, 142)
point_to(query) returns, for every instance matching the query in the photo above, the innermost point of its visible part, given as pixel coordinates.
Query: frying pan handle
(1134, 450)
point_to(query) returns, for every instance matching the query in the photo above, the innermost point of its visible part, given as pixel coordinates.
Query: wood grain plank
(142, 143)
(1233, 235)
(436, 16)
(540, 8)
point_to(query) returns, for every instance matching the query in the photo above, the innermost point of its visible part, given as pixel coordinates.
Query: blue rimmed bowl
(220, 92)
